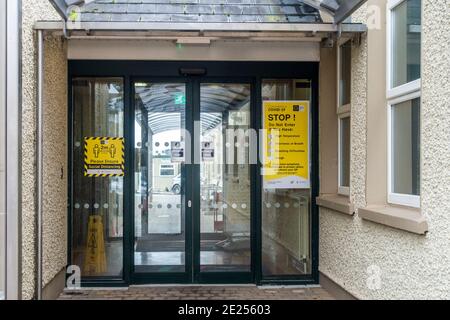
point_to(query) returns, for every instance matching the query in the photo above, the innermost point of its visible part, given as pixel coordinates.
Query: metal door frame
(220, 71)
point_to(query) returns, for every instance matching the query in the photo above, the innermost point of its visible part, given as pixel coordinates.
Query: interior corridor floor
(200, 293)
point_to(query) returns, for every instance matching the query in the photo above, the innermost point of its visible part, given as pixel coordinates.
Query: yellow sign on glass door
(104, 157)
(286, 146)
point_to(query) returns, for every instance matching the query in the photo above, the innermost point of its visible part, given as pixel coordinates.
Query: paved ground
(201, 293)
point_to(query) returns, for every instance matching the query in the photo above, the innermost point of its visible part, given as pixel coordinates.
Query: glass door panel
(98, 199)
(225, 193)
(286, 212)
(160, 222)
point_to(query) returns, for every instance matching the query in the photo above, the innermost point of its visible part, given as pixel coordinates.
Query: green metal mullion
(257, 187)
(314, 211)
(70, 127)
(128, 215)
(189, 186)
(196, 204)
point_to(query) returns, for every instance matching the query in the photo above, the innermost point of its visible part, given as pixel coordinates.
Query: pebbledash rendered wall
(55, 149)
(352, 250)
(412, 266)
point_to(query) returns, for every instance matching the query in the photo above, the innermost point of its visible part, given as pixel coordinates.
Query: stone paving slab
(200, 293)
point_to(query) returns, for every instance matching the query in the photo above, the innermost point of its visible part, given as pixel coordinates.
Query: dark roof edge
(60, 7)
(241, 27)
(346, 9)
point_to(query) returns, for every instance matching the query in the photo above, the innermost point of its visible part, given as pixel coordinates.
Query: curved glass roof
(163, 110)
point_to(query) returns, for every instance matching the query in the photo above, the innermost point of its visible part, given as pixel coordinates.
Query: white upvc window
(403, 95)
(343, 112)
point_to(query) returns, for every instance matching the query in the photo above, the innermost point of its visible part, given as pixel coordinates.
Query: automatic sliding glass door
(216, 237)
(225, 178)
(160, 245)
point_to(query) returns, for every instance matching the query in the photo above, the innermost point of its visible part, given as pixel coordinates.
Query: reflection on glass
(97, 213)
(406, 33)
(406, 147)
(344, 164)
(225, 178)
(160, 236)
(345, 73)
(286, 222)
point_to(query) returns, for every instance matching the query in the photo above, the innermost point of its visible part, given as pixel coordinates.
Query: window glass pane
(2, 197)
(345, 74)
(286, 218)
(406, 34)
(2, 202)
(2, 149)
(97, 216)
(406, 147)
(344, 152)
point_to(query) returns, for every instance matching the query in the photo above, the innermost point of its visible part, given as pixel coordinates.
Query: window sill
(337, 203)
(403, 218)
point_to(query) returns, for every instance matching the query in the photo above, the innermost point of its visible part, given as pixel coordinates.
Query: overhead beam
(202, 27)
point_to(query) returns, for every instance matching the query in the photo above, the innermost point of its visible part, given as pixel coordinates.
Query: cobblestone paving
(200, 293)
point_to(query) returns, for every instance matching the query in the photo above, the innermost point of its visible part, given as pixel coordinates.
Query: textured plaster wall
(55, 159)
(358, 139)
(411, 266)
(33, 10)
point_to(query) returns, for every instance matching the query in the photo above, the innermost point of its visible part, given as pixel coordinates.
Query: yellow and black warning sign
(104, 157)
(95, 259)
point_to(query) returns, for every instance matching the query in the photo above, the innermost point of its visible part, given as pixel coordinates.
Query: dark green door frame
(221, 72)
(187, 195)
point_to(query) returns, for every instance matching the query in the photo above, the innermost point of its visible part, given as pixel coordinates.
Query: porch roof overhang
(199, 22)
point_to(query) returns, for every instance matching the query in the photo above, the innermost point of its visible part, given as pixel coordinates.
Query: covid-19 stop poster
(286, 161)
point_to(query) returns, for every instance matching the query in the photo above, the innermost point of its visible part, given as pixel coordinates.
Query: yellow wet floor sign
(95, 261)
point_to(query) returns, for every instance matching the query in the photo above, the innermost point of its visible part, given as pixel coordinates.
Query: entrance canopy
(311, 19)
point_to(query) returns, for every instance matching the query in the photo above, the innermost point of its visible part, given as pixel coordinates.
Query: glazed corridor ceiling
(164, 112)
